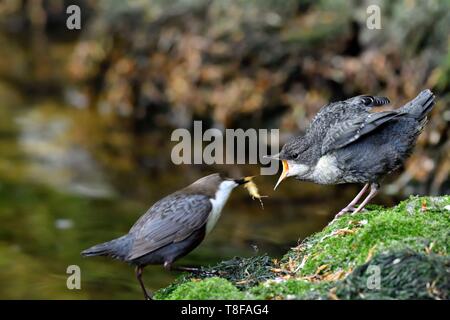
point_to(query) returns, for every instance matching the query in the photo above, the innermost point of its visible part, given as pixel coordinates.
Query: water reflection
(55, 159)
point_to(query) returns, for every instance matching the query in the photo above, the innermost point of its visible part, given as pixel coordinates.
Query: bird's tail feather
(421, 105)
(117, 248)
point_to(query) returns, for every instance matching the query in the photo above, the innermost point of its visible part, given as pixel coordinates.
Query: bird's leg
(139, 270)
(351, 205)
(188, 269)
(197, 270)
(170, 267)
(374, 187)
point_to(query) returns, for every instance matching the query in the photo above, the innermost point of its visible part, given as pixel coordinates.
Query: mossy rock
(208, 289)
(421, 224)
(409, 244)
(399, 275)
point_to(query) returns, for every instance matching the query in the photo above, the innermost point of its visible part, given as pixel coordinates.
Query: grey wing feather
(368, 101)
(344, 110)
(170, 220)
(346, 132)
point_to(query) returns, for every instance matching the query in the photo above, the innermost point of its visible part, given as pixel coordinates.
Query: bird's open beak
(283, 174)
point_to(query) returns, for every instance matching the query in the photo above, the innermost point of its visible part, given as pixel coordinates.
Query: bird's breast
(218, 202)
(326, 170)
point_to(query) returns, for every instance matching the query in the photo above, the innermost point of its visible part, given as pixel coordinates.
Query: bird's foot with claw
(351, 210)
(354, 212)
(208, 273)
(347, 210)
(344, 211)
(200, 272)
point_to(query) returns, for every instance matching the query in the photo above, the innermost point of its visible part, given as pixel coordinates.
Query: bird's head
(213, 182)
(295, 159)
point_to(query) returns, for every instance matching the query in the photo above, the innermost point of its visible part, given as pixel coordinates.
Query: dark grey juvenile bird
(172, 227)
(345, 143)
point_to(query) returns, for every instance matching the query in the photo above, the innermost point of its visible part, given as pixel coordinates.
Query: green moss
(211, 289)
(291, 289)
(164, 293)
(409, 243)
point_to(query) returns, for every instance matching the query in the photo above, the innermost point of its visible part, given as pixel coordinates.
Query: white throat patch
(297, 169)
(218, 202)
(324, 172)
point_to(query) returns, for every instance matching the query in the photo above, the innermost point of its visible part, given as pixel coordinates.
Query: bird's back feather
(170, 220)
(349, 126)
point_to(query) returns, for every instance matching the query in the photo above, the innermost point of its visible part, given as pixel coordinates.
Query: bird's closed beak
(283, 174)
(244, 180)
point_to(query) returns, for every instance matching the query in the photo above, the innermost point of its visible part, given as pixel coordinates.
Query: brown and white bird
(172, 227)
(345, 143)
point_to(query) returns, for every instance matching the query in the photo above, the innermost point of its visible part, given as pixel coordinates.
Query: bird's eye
(295, 155)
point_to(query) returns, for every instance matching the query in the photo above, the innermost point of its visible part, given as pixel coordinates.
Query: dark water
(71, 178)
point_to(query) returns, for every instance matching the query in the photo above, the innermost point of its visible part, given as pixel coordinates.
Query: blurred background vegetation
(86, 117)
